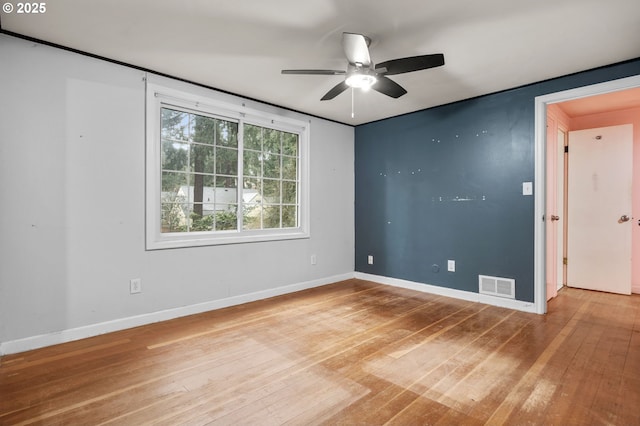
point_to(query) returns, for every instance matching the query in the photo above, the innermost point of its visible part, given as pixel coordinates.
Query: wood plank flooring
(353, 352)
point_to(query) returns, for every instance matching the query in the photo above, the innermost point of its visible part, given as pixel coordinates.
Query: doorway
(540, 225)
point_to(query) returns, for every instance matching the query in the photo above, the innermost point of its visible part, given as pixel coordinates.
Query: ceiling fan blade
(339, 88)
(388, 87)
(356, 49)
(413, 63)
(314, 72)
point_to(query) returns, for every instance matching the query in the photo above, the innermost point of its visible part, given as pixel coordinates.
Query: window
(270, 183)
(220, 174)
(199, 162)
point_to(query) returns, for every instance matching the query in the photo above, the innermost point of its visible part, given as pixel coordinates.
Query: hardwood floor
(353, 352)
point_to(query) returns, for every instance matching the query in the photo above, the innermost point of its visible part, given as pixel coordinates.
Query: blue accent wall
(446, 183)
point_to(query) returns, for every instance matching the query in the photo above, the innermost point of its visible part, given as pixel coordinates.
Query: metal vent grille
(497, 286)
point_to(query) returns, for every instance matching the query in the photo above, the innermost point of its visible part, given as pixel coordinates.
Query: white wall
(72, 209)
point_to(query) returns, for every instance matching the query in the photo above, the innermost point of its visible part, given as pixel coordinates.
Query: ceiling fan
(362, 73)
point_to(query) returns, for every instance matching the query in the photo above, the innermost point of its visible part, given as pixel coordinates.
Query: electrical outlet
(451, 265)
(314, 259)
(135, 285)
(370, 259)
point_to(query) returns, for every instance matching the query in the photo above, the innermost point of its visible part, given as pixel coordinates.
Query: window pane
(173, 217)
(174, 124)
(289, 192)
(252, 137)
(252, 190)
(271, 217)
(174, 199)
(173, 182)
(202, 217)
(271, 142)
(204, 129)
(252, 183)
(290, 144)
(201, 159)
(227, 134)
(226, 191)
(208, 209)
(252, 216)
(228, 182)
(226, 161)
(272, 166)
(252, 163)
(226, 217)
(289, 216)
(201, 207)
(175, 155)
(289, 168)
(271, 191)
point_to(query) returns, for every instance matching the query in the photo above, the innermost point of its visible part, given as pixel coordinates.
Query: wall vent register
(497, 286)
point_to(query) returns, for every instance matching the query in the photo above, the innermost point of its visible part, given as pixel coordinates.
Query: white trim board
(49, 339)
(540, 181)
(449, 292)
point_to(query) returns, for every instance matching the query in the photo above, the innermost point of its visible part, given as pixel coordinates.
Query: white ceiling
(241, 46)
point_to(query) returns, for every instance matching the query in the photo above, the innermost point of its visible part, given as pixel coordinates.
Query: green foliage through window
(202, 190)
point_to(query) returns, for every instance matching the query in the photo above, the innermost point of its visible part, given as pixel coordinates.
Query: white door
(560, 207)
(553, 213)
(599, 209)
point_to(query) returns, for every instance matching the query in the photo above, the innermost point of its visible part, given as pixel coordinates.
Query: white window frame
(158, 96)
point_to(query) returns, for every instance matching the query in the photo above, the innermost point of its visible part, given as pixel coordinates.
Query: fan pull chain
(352, 107)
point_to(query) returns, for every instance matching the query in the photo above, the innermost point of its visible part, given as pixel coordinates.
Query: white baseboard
(35, 342)
(449, 292)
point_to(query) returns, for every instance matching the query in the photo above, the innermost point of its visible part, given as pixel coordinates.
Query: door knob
(624, 218)
(554, 218)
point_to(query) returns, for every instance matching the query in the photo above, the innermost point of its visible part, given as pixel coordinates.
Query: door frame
(540, 166)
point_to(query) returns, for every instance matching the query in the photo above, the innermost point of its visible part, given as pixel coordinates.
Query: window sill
(196, 239)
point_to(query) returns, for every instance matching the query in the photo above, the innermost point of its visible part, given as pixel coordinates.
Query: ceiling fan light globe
(361, 81)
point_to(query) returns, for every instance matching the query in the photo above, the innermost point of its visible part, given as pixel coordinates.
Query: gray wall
(446, 183)
(72, 155)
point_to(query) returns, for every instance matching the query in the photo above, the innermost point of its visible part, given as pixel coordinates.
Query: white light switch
(527, 188)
